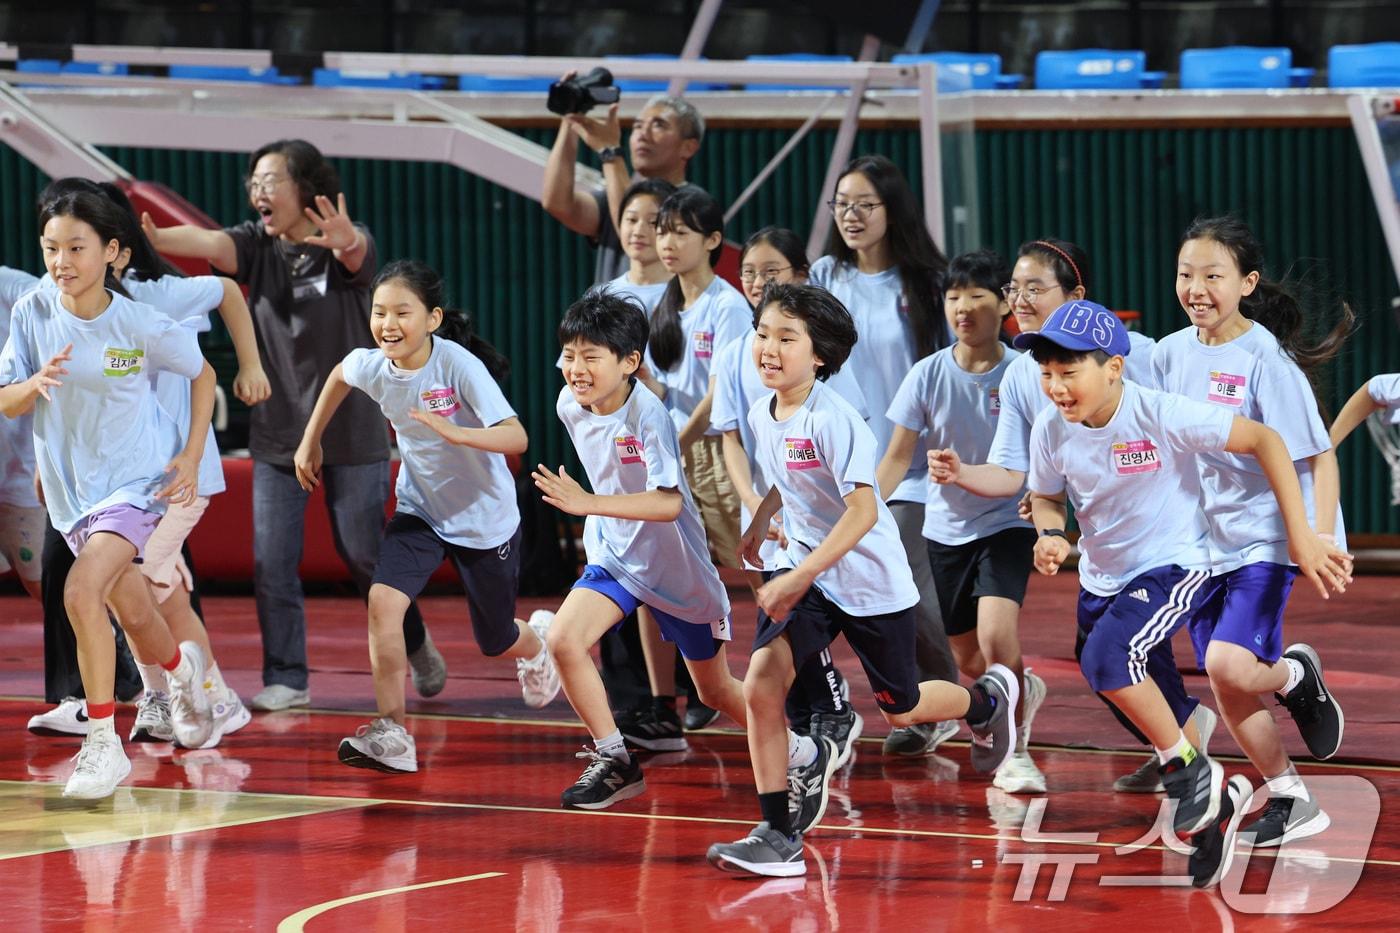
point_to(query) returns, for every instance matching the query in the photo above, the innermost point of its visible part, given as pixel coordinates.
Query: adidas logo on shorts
(1140, 594)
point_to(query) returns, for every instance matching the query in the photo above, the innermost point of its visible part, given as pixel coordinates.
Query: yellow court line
(869, 740)
(297, 921)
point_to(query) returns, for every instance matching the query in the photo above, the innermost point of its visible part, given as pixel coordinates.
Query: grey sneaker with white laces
(428, 668)
(152, 719)
(380, 745)
(764, 852)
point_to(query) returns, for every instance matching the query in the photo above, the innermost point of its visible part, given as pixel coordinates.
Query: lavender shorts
(127, 521)
(1245, 608)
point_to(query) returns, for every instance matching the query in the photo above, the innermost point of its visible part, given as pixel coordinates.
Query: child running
(646, 546)
(1245, 353)
(21, 513)
(75, 357)
(1125, 457)
(843, 571)
(436, 382)
(978, 548)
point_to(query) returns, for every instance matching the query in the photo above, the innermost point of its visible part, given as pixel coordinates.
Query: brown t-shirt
(309, 312)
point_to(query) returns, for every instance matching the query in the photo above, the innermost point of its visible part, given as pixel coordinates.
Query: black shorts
(412, 552)
(884, 644)
(997, 565)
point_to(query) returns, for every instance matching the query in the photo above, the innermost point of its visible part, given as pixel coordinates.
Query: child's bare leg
(581, 621)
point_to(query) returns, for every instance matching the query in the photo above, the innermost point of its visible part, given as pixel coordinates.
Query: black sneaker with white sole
(842, 728)
(699, 716)
(654, 728)
(1285, 819)
(764, 852)
(809, 787)
(1313, 708)
(604, 782)
(1194, 786)
(994, 741)
(1215, 845)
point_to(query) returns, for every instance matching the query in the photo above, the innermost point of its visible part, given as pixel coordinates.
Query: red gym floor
(270, 832)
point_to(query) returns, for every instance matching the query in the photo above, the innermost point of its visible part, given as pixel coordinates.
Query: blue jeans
(356, 496)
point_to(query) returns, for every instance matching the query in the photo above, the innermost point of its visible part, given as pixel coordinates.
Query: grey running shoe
(1313, 708)
(1215, 846)
(1194, 786)
(842, 728)
(764, 852)
(922, 739)
(428, 667)
(1147, 779)
(604, 782)
(994, 741)
(276, 697)
(699, 716)
(380, 745)
(808, 787)
(152, 719)
(230, 715)
(1035, 697)
(1285, 819)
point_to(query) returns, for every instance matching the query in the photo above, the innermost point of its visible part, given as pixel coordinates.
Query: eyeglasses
(265, 185)
(862, 209)
(748, 275)
(1028, 293)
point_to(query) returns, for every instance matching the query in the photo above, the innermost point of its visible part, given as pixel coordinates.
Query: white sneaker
(1020, 776)
(191, 719)
(539, 678)
(67, 718)
(276, 697)
(152, 719)
(230, 715)
(102, 765)
(382, 745)
(1035, 696)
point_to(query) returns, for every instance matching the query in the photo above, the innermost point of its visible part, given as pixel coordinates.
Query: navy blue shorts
(884, 644)
(997, 565)
(412, 552)
(1121, 630)
(1245, 608)
(697, 641)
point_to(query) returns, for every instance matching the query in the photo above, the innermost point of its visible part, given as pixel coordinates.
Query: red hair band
(1078, 279)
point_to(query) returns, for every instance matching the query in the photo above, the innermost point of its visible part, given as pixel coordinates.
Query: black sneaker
(842, 728)
(1195, 788)
(994, 741)
(1312, 707)
(604, 782)
(698, 715)
(1285, 819)
(764, 852)
(1215, 845)
(656, 728)
(808, 787)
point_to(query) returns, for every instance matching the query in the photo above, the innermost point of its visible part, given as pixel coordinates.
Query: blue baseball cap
(1080, 325)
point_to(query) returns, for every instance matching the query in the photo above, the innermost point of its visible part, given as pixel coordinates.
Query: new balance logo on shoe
(1140, 595)
(614, 780)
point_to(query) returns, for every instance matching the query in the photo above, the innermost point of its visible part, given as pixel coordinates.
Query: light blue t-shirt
(1023, 399)
(187, 301)
(883, 354)
(1384, 390)
(719, 316)
(16, 434)
(103, 440)
(816, 457)
(1249, 376)
(954, 408)
(466, 495)
(1132, 483)
(665, 565)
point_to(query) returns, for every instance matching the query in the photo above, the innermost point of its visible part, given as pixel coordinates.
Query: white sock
(1287, 784)
(184, 671)
(1182, 749)
(105, 724)
(613, 746)
(152, 677)
(802, 751)
(1295, 674)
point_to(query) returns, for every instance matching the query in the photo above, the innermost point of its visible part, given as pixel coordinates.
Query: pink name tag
(801, 454)
(440, 401)
(1135, 457)
(1226, 389)
(994, 400)
(704, 344)
(629, 449)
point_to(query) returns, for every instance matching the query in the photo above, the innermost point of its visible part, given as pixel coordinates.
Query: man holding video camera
(664, 138)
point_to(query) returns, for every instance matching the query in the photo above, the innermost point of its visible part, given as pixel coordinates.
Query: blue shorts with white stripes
(1122, 630)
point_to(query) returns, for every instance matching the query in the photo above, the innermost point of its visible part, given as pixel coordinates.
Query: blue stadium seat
(650, 86)
(1092, 69)
(797, 57)
(982, 69)
(48, 66)
(1374, 65)
(493, 84)
(403, 80)
(1241, 66)
(220, 73)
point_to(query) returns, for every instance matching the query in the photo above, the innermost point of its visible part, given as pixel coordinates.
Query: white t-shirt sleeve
(1192, 427)
(181, 298)
(1014, 424)
(174, 349)
(1287, 404)
(1385, 391)
(1046, 476)
(661, 447)
(849, 449)
(724, 413)
(908, 408)
(15, 364)
(14, 285)
(480, 392)
(357, 366)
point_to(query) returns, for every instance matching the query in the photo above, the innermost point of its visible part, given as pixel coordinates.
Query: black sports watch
(1054, 533)
(609, 153)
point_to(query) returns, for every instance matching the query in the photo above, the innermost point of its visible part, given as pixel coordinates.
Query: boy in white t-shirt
(842, 572)
(1125, 456)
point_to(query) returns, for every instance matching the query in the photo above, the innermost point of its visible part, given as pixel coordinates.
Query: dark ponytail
(87, 202)
(695, 209)
(457, 326)
(145, 263)
(1275, 305)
